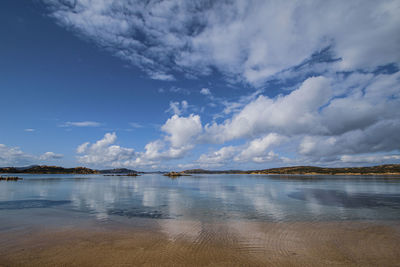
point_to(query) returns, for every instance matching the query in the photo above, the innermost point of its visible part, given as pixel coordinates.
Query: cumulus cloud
(181, 130)
(104, 152)
(181, 135)
(219, 157)
(14, 156)
(257, 150)
(325, 118)
(205, 91)
(249, 40)
(290, 114)
(318, 107)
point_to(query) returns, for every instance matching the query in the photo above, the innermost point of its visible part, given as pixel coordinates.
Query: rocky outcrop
(176, 174)
(10, 178)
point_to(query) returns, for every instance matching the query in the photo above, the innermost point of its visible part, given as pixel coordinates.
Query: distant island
(118, 171)
(388, 169)
(176, 174)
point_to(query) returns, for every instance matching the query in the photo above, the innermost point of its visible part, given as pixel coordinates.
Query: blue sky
(199, 84)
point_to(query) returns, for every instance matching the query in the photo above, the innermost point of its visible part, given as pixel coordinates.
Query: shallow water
(223, 220)
(204, 197)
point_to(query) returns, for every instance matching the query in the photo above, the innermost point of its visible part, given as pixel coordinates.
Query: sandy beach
(190, 243)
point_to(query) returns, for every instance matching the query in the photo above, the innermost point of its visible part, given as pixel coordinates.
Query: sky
(173, 85)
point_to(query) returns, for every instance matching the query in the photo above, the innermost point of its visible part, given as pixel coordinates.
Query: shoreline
(183, 243)
(387, 169)
(328, 174)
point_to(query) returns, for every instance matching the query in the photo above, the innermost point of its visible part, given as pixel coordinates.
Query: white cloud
(14, 156)
(82, 148)
(268, 157)
(228, 155)
(181, 136)
(248, 40)
(50, 156)
(205, 91)
(135, 125)
(257, 151)
(328, 117)
(219, 157)
(380, 137)
(178, 108)
(29, 130)
(182, 130)
(104, 152)
(81, 124)
(290, 114)
(369, 158)
(320, 106)
(161, 76)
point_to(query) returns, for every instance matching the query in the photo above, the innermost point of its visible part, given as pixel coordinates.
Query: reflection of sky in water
(207, 197)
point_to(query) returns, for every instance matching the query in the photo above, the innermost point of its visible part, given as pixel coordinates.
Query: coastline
(387, 169)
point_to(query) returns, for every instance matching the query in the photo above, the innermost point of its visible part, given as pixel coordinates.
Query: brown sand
(188, 243)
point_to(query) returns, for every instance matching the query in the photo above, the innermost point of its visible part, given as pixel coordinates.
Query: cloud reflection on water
(205, 198)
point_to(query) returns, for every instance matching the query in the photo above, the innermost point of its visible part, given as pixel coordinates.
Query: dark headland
(36, 169)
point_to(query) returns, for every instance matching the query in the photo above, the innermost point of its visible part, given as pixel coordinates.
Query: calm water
(65, 198)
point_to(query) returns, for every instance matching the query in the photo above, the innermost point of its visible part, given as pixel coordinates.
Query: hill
(48, 169)
(387, 169)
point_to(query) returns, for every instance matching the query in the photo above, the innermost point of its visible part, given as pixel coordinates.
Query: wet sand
(192, 243)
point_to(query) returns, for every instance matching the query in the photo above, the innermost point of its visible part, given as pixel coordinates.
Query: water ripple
(347, 200)
(31, 204)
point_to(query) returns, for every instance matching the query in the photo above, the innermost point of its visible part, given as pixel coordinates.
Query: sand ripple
(195, 243)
